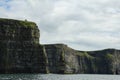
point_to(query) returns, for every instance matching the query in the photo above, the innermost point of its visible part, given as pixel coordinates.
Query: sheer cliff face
(63, 59)
(19, 47)
(20, 52)
(60, 58)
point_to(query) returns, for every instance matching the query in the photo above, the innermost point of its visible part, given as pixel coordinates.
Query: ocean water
(58, 77)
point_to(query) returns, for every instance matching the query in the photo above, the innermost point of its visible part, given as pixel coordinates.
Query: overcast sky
(81, 24)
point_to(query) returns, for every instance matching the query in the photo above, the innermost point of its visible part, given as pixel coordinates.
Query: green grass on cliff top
(25, 23)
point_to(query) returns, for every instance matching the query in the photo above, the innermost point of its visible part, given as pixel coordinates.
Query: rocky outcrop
(20, 51)
(64, 60)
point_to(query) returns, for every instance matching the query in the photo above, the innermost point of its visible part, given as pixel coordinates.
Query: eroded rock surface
(64, 60)
(20, 51)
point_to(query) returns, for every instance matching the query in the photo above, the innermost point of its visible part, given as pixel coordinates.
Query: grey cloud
(81, 24)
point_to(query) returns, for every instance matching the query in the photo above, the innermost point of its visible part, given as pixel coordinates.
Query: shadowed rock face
(65, 60)
(20, 51)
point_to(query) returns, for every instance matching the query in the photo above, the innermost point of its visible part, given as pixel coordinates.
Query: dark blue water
(57, 77)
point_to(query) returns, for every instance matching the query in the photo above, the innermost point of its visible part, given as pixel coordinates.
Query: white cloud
(84, 25)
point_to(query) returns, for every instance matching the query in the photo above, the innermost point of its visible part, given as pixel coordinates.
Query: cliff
(20, 52)
(65, 60)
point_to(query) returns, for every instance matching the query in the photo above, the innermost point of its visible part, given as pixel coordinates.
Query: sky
(80, 24)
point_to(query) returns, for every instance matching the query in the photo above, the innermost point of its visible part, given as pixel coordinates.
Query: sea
(58, 77)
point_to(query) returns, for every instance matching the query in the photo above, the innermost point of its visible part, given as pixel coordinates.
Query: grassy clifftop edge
(23, 23)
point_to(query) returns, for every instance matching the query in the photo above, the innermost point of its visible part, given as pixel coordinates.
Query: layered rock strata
(65, 60)
(20, 51)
